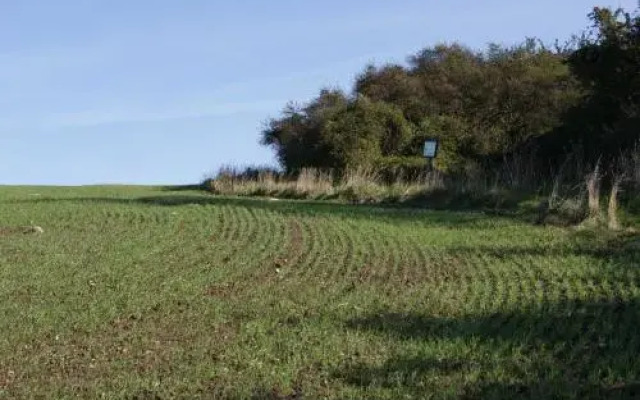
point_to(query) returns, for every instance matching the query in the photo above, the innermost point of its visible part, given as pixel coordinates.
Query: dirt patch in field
(128, 344)
(7, 377)
(20, 230)
(295, 241)
(365, 274)
(290, 254)
(221, 291)
(294, 246)
(292, 251)
(268, 273)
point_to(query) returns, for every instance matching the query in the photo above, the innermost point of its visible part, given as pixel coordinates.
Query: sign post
(430, 150)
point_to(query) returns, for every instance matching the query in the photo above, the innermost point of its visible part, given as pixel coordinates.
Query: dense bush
(483, 106)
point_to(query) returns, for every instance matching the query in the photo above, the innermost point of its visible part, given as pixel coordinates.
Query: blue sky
(164, 91)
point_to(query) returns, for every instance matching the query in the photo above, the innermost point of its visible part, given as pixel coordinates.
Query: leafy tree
(393, 84)
(482, 105)
(365, 131)
(297, 136)
(608, 65)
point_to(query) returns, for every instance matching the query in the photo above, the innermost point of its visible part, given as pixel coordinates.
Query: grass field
(143, 293)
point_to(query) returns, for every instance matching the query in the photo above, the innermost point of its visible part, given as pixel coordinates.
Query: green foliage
(482, 105)
(477, 104)
(298, 136)
(335, 131)
(608, 65)
(366, 131)
(452, 134)
(393, 84)
(401, 169)
(499, 98)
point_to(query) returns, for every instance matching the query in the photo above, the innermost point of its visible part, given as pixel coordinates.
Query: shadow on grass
(183, 188)
(616, 248)
(572, 349)
(290, 207)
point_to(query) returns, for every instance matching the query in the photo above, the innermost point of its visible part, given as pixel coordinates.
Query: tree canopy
(480, 104)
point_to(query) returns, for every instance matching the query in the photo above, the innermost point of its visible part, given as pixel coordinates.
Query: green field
(145, 293)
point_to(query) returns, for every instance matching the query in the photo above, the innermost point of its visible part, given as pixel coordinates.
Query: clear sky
(164, 91)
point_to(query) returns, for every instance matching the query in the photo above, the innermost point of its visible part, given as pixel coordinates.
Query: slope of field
(141, 293)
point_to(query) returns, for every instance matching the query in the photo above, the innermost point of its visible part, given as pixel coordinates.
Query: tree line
(580, 98)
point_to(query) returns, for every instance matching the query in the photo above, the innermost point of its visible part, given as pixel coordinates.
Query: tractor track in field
(218, 294)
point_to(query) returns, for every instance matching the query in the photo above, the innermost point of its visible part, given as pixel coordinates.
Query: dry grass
(573, 196)
(357, 184)
(593, 190)
(309, 183)
(612, 210)
(314, 182)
